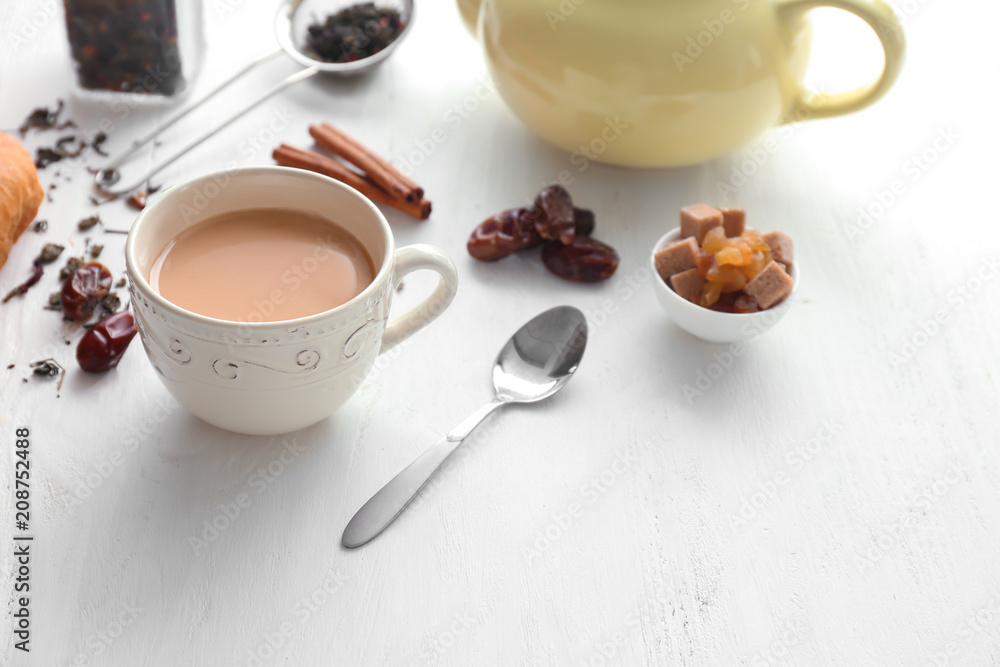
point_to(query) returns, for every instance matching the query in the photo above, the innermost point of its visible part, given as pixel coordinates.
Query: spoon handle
(383, 508)
(106, 186)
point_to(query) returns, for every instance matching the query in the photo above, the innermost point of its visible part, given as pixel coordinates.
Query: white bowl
(710, 325)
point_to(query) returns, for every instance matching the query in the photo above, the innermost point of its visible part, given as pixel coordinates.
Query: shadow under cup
(271, 377)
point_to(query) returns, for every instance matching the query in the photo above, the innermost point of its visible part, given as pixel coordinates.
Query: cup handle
(414, 258)
(879, 15)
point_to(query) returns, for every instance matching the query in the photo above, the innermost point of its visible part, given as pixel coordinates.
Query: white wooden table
(829, 498)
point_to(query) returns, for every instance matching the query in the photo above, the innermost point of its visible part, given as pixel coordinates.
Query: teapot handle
(877, 14)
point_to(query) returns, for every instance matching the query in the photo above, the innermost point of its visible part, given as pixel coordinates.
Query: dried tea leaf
(60, 147)
(111, 301)
(48, 368)
(87, 223)
(42, 118)
(45, 156)
(50, 253)
(95, 250)
(72, 264)
(99, 139)
(354, 32)
(128, 47)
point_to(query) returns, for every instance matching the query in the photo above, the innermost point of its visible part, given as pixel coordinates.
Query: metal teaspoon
(534, 364)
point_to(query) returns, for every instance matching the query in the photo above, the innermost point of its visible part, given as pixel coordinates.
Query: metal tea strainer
(287, 22)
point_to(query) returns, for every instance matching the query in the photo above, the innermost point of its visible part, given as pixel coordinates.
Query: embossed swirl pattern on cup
(241, 356)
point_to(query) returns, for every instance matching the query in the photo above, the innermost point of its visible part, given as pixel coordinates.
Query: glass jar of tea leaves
(146, 49)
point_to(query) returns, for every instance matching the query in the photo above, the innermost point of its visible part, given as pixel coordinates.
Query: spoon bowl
(293, 17)
(541, 357)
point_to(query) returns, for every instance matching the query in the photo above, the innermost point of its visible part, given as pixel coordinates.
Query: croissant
(20, 193)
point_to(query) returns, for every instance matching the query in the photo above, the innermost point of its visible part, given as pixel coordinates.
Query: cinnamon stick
(377, 168)
(289, 156)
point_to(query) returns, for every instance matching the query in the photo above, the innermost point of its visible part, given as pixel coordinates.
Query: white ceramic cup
(265, 378)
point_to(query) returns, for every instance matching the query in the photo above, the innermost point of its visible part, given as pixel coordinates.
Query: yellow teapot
(659, 83)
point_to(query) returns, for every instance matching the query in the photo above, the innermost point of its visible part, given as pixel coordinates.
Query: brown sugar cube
(782, 247)
(770, 286)
(697, 219)
(676, 257)
(688, 285)
(734, 220)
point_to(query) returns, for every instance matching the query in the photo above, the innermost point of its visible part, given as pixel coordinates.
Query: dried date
(553, 213)
(569, 252)
(503, 234)
(583, 221)
(84, 290)
(103, 346)
(745, 304)
(585, 260)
